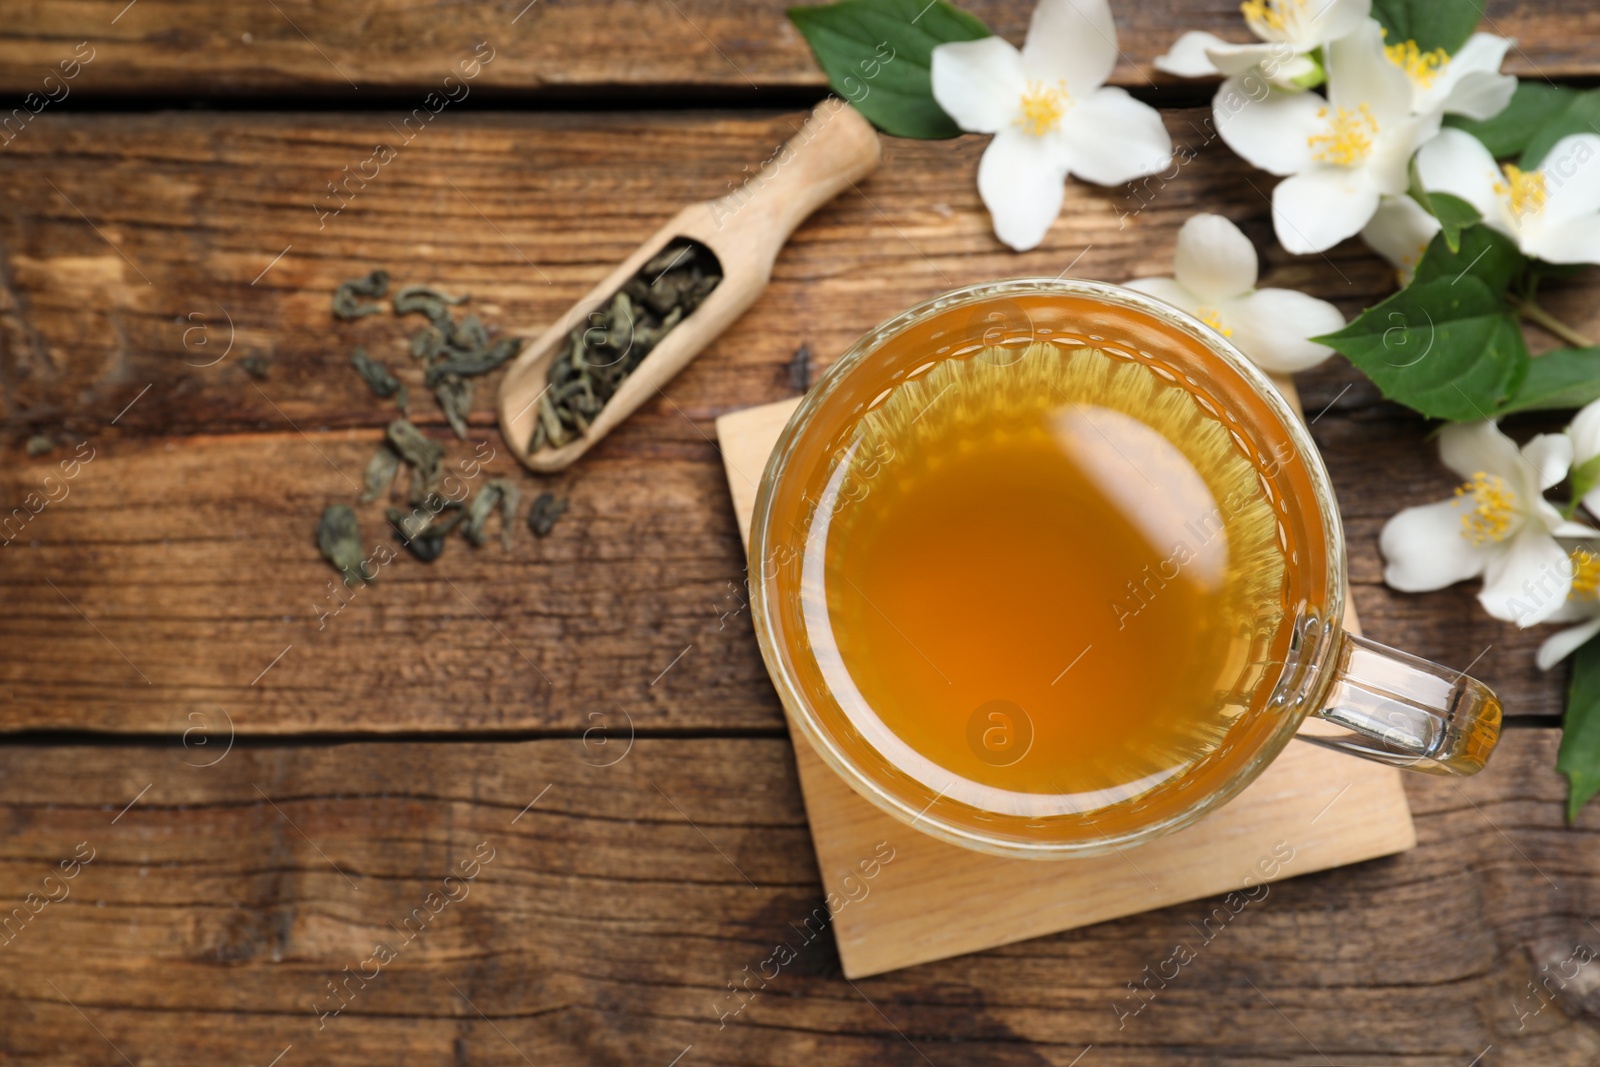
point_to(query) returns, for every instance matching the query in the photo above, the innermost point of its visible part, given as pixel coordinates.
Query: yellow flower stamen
(1270, 17)
(1421, 67)
(1349, 137)
(1494, 506)
(1213, 318)
(1042, 107)
(1525, 188)
(1585, 575)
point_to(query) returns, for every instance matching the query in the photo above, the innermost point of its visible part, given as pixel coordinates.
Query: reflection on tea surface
(1041, 583)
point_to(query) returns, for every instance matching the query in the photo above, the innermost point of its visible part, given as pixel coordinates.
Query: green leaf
(1579, 755)
(1484, 253)
(1581, 115)
(1562, 380)
(1453, 214)
(1508, 133)
(877, 53)
(1431, 23)
(1584, 477)
(1447, 348)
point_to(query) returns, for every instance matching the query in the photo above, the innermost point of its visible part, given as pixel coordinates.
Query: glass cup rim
(1308, 674)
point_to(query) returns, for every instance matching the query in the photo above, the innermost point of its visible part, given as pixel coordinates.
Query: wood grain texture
(336, 53)
(618, 908)
(186, 542)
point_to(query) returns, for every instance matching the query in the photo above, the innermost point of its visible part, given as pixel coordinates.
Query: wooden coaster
(1311, 810)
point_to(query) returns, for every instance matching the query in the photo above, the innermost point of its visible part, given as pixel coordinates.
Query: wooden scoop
(835, 148)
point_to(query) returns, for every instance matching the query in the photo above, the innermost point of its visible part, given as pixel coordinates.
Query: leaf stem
(1540, 317)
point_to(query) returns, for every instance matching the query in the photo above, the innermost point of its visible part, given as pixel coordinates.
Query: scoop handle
(832, 150)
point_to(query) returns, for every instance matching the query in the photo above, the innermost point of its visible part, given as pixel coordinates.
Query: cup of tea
(1047, 568)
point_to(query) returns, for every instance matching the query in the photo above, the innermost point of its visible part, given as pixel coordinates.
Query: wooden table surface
(250, 798)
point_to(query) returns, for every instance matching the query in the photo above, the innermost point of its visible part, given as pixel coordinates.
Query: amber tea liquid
(1044, 580)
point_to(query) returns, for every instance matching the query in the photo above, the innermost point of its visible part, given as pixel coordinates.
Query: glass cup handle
(1397, 709)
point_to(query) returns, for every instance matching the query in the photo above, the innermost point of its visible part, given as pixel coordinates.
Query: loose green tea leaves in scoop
(595, 358)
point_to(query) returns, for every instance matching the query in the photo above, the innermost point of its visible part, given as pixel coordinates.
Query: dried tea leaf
(471, 364)
(800, 369)
(339, 540)
(495, 491)
(255, 366)
(510, 497)
(430, 302)
(381, 469)
(471, 334)
(478, 512)
(375, 374)
(424, 535)
(418, 450)
(426, 343)
(345, 304)
(402, 400)
(543, 513)
(455, 400)
(39, 444)
(672, 256)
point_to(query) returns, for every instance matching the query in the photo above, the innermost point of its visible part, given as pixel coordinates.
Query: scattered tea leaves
(471, 363)
(495, 491)
(453, 353)
(455, 400)
(594, 359)
(381, 469)
(339, 539)
(424, 534)
(543, 513)
(345, 304)
(256, 367)
(800, 369)
(427, 300)
(39, 444)
(420, 451)
(375, 374)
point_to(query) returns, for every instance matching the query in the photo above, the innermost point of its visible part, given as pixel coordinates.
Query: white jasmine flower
(1552, 212)
(1468, 83)
(1582, 607)
(1288, 30)
(1498, 525)
(1401, 231)
(1215, 275)
(1340, 155)
(1051, 115)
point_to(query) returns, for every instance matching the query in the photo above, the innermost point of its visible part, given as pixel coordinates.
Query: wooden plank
(616, 911)
(647, 564)
(350, 53)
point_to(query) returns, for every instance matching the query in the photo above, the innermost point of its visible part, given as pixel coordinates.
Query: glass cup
(1319, 681)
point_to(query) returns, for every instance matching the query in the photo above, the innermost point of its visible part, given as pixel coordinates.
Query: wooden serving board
(934, 900)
